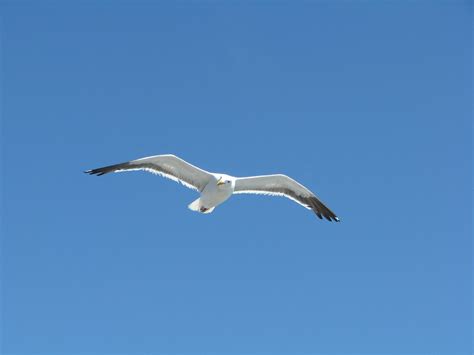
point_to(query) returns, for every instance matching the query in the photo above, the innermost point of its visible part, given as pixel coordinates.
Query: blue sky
(367, 103)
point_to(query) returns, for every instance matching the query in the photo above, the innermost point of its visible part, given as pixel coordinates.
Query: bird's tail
(196, 206)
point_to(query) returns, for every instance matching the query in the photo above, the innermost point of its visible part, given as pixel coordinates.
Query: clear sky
(368, 103)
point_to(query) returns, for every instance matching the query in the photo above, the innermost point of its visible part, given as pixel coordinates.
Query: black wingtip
(107, 169)
(96, 172)
(322, 211)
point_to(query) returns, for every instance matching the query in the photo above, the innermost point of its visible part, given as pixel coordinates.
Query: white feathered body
(213, 195)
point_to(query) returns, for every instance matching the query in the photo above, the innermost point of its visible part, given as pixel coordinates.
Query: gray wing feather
(282, 185)
(169, 166)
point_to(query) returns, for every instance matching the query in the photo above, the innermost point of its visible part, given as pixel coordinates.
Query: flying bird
(216, 188)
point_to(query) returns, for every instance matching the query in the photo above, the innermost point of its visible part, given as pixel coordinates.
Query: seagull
(216, 188)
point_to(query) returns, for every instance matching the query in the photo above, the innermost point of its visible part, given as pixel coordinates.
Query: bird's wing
(168, 166)
(282, 185)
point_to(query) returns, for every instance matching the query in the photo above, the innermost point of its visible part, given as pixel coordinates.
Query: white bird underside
(216, 188)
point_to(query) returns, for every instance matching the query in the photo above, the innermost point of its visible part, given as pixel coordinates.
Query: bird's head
(224, 181)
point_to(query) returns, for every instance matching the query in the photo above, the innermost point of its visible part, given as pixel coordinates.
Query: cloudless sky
(368, 103)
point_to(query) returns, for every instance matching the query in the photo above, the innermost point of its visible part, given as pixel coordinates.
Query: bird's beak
(220, 182)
